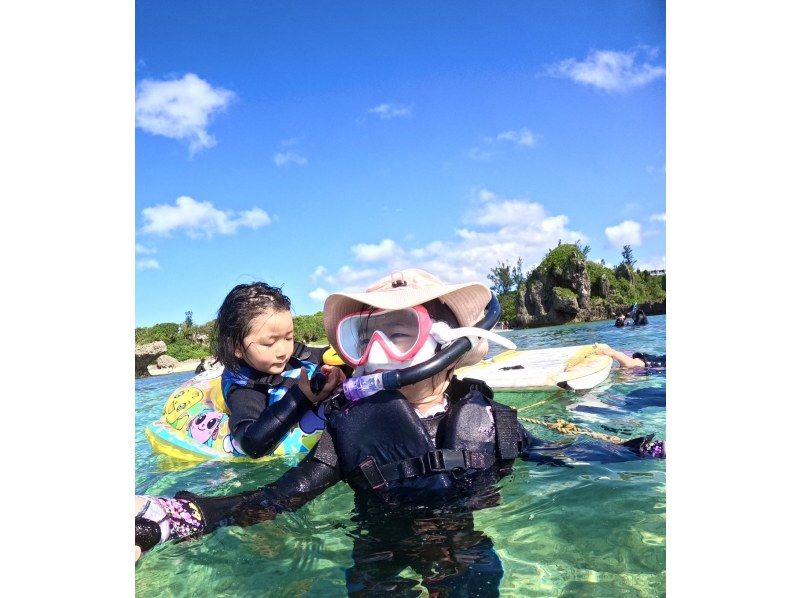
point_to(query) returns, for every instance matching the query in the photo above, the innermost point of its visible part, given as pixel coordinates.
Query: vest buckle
(434, 461)
(373, 474)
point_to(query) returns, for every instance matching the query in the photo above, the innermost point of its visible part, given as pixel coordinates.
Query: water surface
(592, 530)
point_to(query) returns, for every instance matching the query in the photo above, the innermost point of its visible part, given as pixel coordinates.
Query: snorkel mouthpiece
(360, 387)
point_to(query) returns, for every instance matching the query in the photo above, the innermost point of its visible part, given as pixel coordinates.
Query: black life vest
(381, 444)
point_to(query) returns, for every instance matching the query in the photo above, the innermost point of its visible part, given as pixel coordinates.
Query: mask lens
(401, 328)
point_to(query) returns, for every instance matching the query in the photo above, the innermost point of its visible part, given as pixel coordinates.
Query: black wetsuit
(652, 361)
(640, 319)
(416, 483)
(257, 425)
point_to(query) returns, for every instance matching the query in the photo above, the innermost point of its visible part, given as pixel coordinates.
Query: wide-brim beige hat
(407, 288)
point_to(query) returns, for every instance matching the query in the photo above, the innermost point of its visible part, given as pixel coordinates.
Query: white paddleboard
(577, 367)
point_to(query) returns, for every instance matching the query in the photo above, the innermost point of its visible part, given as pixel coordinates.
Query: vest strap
(505, 425)
(436, 461)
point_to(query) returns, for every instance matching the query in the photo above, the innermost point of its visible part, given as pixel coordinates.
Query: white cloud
(149, 264)
(659, 217)
(200, 219)
(350, 279)
(319, 271)
(142, 250)
(180, 109)
(387, 110)
(496, 229)
(319, 294)
(365, 252)
(508, 212)
(610, 71)
(486, 195)
(628, 232)
(284, 158)
(659, 263)
(523, 137)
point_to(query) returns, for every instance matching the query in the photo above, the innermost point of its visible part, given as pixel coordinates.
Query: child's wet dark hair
(244, 303)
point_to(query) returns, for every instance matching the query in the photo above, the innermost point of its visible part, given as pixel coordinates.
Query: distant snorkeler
(637, 360)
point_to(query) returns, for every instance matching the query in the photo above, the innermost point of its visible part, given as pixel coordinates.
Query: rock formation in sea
(166, 361)
(147, 354)
(559, 290)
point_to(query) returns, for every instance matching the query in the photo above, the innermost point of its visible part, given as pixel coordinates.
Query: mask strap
(443, 334)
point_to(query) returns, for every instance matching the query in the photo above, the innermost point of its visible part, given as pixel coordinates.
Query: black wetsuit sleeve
(259, 427)
(310, 478)
(583, 450)
(652, 361)
(537, 450)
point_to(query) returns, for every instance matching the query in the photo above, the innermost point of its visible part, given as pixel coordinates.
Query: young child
(266, 382)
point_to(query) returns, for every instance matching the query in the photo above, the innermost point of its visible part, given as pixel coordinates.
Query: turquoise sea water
(592, 530)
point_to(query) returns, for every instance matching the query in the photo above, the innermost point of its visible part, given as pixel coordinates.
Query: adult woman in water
(419, 458)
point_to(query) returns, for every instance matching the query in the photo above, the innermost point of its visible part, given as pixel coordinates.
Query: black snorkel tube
(363, 386)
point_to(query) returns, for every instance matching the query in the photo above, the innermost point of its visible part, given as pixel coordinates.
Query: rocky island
(566, 287)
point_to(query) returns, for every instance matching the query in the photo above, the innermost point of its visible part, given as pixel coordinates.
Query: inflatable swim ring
(194, 424)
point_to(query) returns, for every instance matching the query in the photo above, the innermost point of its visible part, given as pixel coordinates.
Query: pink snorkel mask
(386, 339)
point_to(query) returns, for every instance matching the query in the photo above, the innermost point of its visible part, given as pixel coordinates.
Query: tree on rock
(517, 276)
(627, 256)
(500, 276)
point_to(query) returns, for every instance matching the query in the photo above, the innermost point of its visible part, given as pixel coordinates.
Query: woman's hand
(140, 502)
(603, 349)
(334, 377)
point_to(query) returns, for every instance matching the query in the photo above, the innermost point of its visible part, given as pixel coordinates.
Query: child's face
(269, 343)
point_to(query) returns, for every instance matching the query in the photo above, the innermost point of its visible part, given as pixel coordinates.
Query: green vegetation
(505, 278)
(508, 306)
(565, 294)
(310, 329)
(187, 341)
(626, 285)
(556, 260)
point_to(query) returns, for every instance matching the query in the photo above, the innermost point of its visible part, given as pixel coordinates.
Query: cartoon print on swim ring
(204, 428)
(182, 405)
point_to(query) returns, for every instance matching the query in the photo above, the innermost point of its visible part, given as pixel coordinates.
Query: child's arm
(259, 429)
(624, 360)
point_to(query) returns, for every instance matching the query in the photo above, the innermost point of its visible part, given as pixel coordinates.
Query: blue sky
(319, 145)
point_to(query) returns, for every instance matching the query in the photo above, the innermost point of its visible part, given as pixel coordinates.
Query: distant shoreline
(190, 365)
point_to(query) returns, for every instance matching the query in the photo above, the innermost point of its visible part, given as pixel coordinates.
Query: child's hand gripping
(315, 389)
